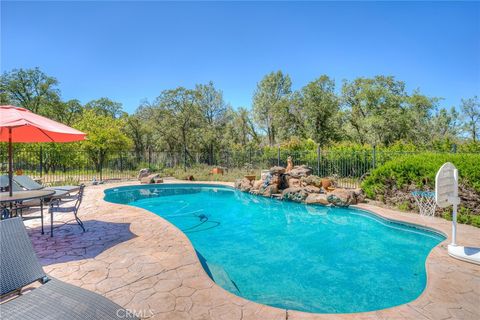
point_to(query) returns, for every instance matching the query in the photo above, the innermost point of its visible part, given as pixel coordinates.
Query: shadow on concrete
(70, 243)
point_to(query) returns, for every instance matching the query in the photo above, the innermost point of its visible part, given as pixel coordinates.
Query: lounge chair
(5, 184)
(53, 299)
(27, 183)
(30, 184)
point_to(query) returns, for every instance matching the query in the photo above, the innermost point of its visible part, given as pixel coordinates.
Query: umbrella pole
(10, 162)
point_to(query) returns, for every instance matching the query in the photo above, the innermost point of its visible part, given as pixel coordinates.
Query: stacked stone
(299, 185)
(244, 184)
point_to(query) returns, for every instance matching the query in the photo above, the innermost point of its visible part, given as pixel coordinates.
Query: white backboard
(446, 185)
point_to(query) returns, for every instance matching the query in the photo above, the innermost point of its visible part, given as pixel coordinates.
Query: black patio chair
(53, 299)
(56, 206)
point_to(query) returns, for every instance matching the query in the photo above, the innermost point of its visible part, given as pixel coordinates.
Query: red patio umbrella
(22, 125)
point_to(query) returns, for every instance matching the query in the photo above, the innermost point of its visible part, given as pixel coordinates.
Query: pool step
(220, 276)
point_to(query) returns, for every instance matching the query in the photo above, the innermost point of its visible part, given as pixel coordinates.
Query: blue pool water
(290, 255)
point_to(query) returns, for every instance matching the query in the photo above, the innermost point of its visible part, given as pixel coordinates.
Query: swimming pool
(289, 255)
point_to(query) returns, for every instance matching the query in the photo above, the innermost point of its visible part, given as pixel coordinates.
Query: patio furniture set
(19, 266)
(27, 194)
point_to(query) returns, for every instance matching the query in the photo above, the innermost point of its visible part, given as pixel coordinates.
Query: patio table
(7, 200)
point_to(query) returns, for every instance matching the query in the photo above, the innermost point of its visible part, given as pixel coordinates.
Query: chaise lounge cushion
(59, 300)
(54, 299)
(30, 184)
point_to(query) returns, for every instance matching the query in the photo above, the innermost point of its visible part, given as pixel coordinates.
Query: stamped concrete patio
(147, 265)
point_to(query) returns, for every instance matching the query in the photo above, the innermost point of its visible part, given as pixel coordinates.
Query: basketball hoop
(446, 194)
(426, 202)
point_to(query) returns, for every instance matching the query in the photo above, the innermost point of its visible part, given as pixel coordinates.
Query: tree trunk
(210, 151)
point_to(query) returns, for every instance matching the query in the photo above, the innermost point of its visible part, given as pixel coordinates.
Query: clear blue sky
(131, 51)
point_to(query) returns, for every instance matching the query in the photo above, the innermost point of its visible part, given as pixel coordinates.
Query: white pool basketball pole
(446, 193)
(454, 200)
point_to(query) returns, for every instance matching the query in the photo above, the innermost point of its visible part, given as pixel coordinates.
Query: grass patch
(203, 173)
(404, 206)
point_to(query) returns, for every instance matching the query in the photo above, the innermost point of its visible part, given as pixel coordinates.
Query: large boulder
(277, 170)
(311, 189)
(342, 197)
(294, 194)
(145, 172)
(271, 189)
(257, 184)
(275, 180)
(294, 183)
(359, 195)
(312, 181)
(337, 202)
(257, 187)
(300, 171)
(243, 184)
(152, 178)
(314, 198)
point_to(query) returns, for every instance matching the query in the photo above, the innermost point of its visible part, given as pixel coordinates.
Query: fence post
(318, 160)
(278, 157)
(41, 162)
(100, 164)
(121, 162)
(454, 148)
(374, 156)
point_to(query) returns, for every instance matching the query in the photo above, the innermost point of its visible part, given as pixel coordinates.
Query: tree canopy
(471, 117)
(271, 102)
(198, 121)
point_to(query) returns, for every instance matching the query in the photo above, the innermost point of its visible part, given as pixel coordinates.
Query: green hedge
(393, 181)
(420, 170)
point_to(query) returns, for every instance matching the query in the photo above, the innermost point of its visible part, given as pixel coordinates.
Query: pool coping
(427, 305)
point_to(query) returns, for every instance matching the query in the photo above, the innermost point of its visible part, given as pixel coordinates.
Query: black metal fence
(53, 166)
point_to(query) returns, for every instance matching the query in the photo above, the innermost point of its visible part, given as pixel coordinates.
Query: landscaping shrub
(393, 182)
(464, 216)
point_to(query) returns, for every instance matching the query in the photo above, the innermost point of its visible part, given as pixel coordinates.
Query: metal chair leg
(51, 223)
(41, 214)
(80, 222)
